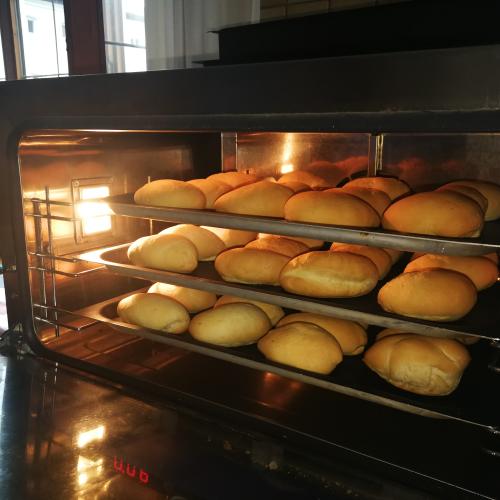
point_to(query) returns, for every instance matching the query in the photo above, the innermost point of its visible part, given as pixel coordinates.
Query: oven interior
(65, 174)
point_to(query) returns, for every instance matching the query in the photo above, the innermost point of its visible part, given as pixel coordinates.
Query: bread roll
(193, 300)
(432, 294)
(211, 188)
(350, 335)
(260, 198)
(464, 339)
(250, 266)
(295, 186)
(279, 244)
(302, 345)
(492, 256)
(482, 271)
(230, 325)
(274, 313)
(208, 244)
(232, 237)
(335, 208)
(395, 255)
(154, 311)
(394, 188)
(309, 242)
(234, 179)
(378, 256)
(489, 190)
(469, 192)
(170, 193)
(329, 274)
(168, 252)
(429, 366)
(313, 181)
(439, 213)
(377, 199)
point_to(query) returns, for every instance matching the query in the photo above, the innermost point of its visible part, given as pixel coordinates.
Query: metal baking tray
(488, 242)
(351, 377)
(481, 322)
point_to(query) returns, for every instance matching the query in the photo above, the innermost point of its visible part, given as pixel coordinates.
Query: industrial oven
(74, 150)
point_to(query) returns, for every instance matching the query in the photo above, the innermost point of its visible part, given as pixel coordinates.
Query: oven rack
(466, 404)
(489, 241)
(481, 322)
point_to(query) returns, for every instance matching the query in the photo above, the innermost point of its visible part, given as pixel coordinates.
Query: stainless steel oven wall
(333, 156)
(427, 160)
(60, 164)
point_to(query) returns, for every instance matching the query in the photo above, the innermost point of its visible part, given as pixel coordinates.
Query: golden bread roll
(234, 179)
(279, 244)
(250, 266)
(481, 271)
(432, 294)
(263, 198)
(395, 255)
(327, 207)
(211, 188)
(489, 190)
(170, 193)
(394, 188)
(296, 186)
(193, 300)
(470, 192)
(377, 199)
(351, 336)
(464, 339)
(329, 274)
(429, 366)
(309, 242)
(232, 237)
(378, 256)
(302, 345)
(208, 244)
(274, 313)
(230, 325)
(439, 213)
(313, 181)
(168, 252)
(492, 256)
(154, 311)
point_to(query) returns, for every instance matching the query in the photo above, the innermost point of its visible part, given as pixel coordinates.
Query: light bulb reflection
(96, 434)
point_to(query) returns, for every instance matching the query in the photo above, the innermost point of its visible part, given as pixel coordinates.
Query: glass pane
(2, 65)
(124, 35)
(168, 34)
(43, 38)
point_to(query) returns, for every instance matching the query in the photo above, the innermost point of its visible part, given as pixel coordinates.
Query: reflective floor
(63, 436)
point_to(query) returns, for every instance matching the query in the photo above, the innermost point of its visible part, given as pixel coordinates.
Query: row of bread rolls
(433, 287)
(312, 342)
(457, 209)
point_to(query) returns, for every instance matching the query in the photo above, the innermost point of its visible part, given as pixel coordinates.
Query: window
(124, 35)
(42, 38)
(31, 25)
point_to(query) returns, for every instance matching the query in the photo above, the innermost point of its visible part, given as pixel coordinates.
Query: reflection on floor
(65, 437)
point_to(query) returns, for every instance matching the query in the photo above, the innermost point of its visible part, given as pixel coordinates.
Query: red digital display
(130, 470)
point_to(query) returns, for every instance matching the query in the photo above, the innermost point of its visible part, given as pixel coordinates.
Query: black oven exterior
(453, 90)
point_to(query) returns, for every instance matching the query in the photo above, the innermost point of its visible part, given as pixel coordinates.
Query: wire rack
(45, 262)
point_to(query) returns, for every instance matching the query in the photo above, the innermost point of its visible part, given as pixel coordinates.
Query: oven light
(95, 215)
(286, 168)
(82, 478)
(84, 438)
